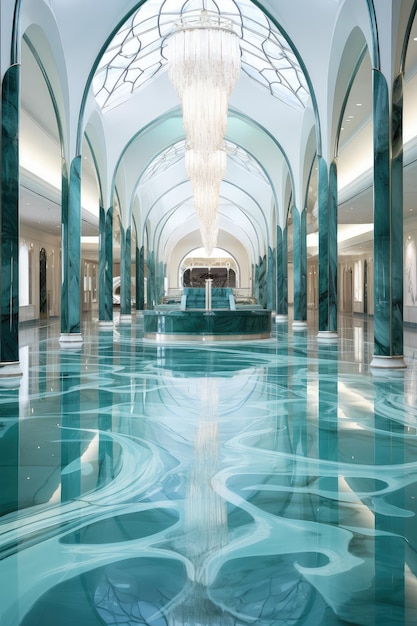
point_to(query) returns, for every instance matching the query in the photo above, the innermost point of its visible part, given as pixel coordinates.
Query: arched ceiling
(110, 81)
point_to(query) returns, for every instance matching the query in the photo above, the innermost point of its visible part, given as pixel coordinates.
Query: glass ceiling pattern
(176, 153)
(136, 53)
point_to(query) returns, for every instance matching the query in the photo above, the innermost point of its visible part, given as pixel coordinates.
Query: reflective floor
(269, 483)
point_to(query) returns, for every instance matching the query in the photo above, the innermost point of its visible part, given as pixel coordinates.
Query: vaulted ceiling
(94, 79)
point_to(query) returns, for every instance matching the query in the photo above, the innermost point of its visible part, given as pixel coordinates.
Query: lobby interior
(264, 476)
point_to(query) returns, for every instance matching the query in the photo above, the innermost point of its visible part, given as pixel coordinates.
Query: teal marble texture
(140, 301)
(388, 219)
(102, 265)
(71, 250)
(9, 217)
(332, 323)
(303, 265)
(258, 482)
(199, 323)
(150, 283)
(138, 283)
(323, 266)
(300, 265)
(125, 271)
(271, 280)
(64, 245)
(108, 276)
(397, 221)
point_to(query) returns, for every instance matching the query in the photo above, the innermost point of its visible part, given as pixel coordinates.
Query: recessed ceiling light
(342, 128)
(359, 104)
(415, 39)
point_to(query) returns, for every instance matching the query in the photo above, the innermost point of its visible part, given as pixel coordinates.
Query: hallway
(267, 483)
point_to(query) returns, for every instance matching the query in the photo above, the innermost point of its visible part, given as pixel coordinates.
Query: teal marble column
(333, 250)
(280, 275)
(9, 452)
(327, 279)
(9, 226)
(270, 281)
(150, 283)
(71, 255)
(300, 269)
(390, 543)
(140, 298)
(137, 279)
(388, 225)
(125, 273)
(328, 445)
(105, 268)
(262, 281)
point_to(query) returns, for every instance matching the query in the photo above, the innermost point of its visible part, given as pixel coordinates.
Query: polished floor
(266, 483)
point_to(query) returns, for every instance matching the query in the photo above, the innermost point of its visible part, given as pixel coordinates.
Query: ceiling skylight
(136, 53)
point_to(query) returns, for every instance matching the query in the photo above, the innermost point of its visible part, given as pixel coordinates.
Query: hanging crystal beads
(204, 65)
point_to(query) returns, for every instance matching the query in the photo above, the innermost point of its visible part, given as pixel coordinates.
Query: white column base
(125, 318)
(281, 319)
(10, 375)
(388, 362)
(299, 325)
(327, 336)
(106, 324)
(70, 340)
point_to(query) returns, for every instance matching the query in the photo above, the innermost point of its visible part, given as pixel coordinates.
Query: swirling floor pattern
(271, 483)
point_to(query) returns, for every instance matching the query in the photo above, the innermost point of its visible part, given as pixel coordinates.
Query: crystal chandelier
(204, 65)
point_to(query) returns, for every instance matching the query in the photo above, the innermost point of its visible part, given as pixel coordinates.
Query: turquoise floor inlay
(270, 483)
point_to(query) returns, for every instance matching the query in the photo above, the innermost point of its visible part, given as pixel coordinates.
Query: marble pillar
(271, 281)
(140, 300)
(327, 279)
(150, 283)
(388, 225)
(125, 274)
(300, 269)
(137, 279)
(282, 274)
(9, 227)
(105, 264)
(71, 255)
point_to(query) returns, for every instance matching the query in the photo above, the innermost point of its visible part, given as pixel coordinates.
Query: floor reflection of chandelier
(204, 65)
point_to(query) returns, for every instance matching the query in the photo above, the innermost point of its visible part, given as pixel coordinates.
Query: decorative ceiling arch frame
(236, 115)
(49, 88)
(407, 37)
(161, 223)
(346, 98)
(168, 118)
(299, 58)
(96, 167)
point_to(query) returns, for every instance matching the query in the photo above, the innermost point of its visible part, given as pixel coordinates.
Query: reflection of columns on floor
(150, 283)
(105, 410)
(327, 282)
(70, 421)
(388, 224)
(282, 274)
(125, 274)
(105, 264)
(390, 542)
(138, 282)
(140, 302)
(71, 254)
(271, 281)
(328, 432)
(9, 225)
(300, 268)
